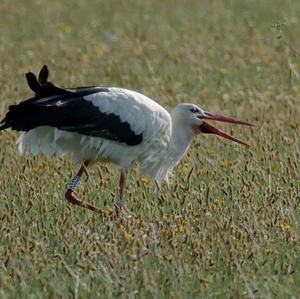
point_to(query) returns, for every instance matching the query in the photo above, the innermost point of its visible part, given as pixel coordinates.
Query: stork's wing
(113, 113)
(71, 111)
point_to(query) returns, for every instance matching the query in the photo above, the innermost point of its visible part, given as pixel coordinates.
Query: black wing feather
(72, 113)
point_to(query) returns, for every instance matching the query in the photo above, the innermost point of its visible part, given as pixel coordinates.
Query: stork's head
(191, 118)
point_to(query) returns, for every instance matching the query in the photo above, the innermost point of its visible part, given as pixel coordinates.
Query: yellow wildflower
(268, 250)
(85, 57)
(67, 28)
(217, 202)
(224, 163)
(285, 226)
(223, 71)
(145, 181)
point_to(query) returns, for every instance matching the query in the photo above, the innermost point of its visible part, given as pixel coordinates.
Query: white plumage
(143, 115)
(116, 125)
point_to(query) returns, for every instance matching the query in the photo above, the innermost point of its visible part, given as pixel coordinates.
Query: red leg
(121, 185)
(119, 204)
(70, 195)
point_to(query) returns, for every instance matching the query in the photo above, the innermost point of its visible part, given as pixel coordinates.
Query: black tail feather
(33, 83)
(48, 106)
(43, 75)
(3, 127)
(18, 116)
(41, 86)
(7, 120)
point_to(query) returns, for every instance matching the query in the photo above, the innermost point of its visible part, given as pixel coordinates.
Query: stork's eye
(194, 110)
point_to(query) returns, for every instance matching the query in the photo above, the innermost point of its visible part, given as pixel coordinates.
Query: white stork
(107, 124)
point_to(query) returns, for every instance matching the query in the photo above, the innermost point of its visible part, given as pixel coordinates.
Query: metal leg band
(72, 185)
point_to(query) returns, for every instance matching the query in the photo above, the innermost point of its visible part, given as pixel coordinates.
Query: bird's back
(145, 116)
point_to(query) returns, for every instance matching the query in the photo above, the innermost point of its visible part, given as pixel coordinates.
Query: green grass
(231, 228)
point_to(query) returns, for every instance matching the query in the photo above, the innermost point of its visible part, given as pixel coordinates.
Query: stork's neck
(160, 166)
(180, 139)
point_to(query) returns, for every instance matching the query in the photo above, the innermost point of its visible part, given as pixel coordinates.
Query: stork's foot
(72, 198)
(121, 209)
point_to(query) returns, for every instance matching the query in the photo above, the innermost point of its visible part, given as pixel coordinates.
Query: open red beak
(208, 129)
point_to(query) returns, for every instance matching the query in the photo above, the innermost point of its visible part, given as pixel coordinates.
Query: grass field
(228, 225)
